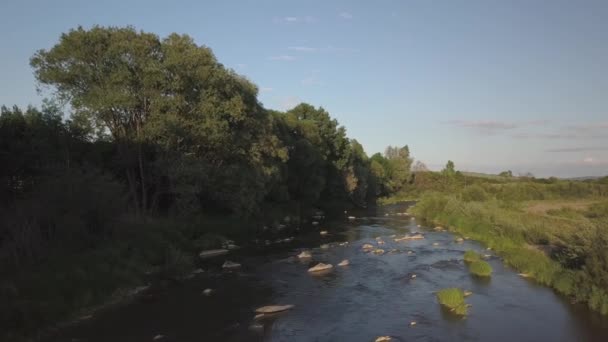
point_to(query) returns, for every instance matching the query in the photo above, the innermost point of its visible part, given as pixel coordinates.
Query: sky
(492, 85)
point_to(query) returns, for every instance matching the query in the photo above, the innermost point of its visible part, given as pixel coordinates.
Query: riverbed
(376, 295)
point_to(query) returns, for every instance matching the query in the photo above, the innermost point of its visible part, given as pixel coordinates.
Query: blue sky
(491, 85)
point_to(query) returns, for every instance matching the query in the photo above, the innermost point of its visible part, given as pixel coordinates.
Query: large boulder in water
(320, 267)
(384, 339)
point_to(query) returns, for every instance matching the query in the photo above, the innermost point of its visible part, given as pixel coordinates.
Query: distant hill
(584, 178)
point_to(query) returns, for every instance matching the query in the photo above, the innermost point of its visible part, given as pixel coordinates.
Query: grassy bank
(561, 249)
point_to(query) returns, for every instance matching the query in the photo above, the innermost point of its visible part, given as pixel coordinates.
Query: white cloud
(282, 58)
(302, 48)
(326, 49)
(294, 20)
(266, 89)
(490, 125)
(241, 66)
(345, 15)
(578, 149)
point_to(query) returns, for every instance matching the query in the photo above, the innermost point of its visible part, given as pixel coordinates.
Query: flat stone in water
(230, 265)
(212, 253)
(320, 267)
(273, 309)
(410, 237)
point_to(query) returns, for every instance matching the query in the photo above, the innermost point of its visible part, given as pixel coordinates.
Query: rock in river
(323, 232)
(410, 237)
(344, 262)
(305, 255)
(273, 309)
(230, 265)
(368, 247)
(320, 267)
(207, 292)
(384, 339)
(212, 253)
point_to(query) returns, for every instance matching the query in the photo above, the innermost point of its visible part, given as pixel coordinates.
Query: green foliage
(474, 193)
(453, 299)
(471, 256)
(507, 174)
(577, 265)
(159, 131)
(480, 268)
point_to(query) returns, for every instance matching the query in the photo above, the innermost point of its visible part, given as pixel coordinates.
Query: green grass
(471, 256)
(480, 268)
(453, 299)
(577, 270)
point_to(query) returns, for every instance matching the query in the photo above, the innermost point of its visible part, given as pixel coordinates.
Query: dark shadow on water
(479, 280)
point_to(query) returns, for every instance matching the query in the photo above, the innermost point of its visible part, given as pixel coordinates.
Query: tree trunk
(133, 192)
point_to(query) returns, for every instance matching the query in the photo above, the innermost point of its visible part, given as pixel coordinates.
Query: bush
(453, 299)
(480, 268)
(474, 193)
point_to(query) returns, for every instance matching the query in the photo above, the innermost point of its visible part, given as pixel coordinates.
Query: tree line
(159, 128)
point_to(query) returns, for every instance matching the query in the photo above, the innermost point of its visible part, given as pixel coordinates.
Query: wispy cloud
(345, 15)
(483, 124)
(326, 49)
(241, 66)
(597, 130)
(577, 149)
(589, 161)
(295, 19)
(493, 127)
(302, 48)
(286, 58)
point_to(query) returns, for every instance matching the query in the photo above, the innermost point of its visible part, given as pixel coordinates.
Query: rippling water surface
(376, 295)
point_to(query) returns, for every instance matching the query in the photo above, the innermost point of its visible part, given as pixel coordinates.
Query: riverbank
(375, 295)
(559, 250)
(67, 288)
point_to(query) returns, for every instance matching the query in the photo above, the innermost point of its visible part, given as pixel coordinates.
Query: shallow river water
(374, 296)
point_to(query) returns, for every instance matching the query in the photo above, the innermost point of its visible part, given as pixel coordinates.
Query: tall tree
(113, 76)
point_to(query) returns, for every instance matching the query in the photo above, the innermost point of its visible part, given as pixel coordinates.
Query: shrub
(474, 193)
(453, 299)
(480, 268)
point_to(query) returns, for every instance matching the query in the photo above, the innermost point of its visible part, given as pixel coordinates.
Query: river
(376, 295)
